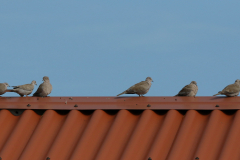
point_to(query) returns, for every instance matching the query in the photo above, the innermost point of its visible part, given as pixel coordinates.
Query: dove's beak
(36, 84)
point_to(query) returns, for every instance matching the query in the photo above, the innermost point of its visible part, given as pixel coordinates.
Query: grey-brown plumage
(3, 88)
(189, 90)
(25, 89)
(231, 90)
(140, 88)
(44, 89)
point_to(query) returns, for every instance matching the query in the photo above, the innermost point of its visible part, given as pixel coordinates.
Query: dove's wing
(39, 90)
(43, 90)
(185, 90)
(230, 89)
(137, 87)
(27, 87)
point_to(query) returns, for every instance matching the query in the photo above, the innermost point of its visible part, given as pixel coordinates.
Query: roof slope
(119, 134)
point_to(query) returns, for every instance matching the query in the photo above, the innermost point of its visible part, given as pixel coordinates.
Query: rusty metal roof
(140, 128)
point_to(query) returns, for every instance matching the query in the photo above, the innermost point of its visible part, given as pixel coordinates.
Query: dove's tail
(15, 87)
(10, 90)
(217, 94)
(122, 93)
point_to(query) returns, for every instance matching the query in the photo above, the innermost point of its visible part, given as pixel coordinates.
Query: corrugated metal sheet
(119, 134)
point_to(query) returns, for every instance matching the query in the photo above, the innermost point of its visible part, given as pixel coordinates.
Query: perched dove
(25, 89)
(44, 89)
(140, 88)
(3, 88)
(189, 90)
(231, 90)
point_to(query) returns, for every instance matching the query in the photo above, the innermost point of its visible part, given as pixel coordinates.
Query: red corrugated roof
(49, 128)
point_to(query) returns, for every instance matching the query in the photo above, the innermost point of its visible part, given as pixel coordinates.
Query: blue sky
(100, 48)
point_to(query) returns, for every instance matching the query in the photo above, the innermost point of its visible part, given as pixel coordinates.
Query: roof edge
(116, 103)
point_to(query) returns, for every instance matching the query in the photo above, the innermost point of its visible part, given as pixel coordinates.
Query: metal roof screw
(196, 158)
(47, 158)
(149, 158)
(148, 105)
(75, 105)
(28, 105)
(217, 105)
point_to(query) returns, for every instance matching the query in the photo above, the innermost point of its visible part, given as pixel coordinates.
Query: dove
(3, 88)
(44, 89)
(140, 88)
(189, 90)
(25, 89)
(231, 90)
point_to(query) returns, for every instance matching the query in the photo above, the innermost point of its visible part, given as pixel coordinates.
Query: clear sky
(100, 48)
